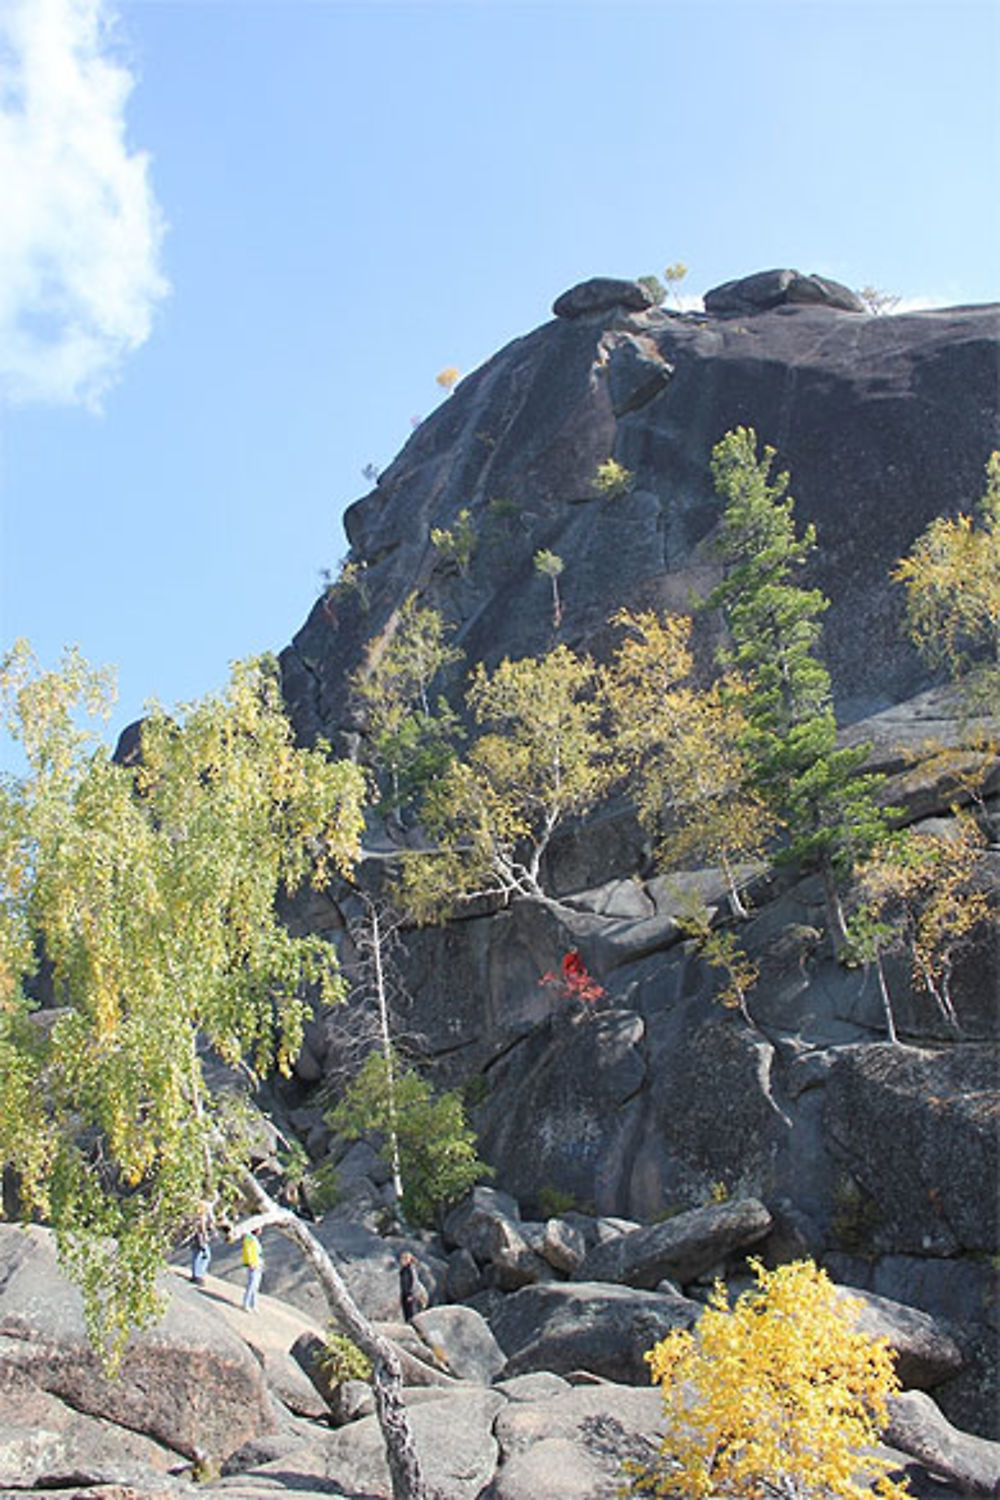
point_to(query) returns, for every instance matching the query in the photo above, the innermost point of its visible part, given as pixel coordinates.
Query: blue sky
(248, 235)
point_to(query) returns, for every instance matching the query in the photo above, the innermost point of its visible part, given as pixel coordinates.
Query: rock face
(883, 422)
(657, 1102)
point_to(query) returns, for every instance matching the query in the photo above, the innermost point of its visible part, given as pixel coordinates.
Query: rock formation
(883, 422)
(649, 1143)
(873, 1154)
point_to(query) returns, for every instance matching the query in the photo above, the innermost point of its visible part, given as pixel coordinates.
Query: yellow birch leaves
(777, 1393)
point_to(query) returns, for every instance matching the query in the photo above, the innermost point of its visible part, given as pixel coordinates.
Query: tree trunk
(834, 908)
(387, 1053)
(387, 1377)
(883, 989)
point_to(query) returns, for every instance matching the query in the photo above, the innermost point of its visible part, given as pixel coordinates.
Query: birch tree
(150, 892)
(688, 772)
(952, 582)
(542, 757)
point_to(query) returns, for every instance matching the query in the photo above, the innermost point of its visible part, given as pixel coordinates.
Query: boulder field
(512, 1396)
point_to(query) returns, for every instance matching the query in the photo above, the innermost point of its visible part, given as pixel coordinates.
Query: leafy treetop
(778, 1394)
(829, 810)
(150, 890)
(952, 582)
(541, 758)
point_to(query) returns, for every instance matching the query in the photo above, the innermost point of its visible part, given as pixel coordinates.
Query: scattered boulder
(917, 1427)
(563, 1245)
(539, 1385)
(462, 1340)
(481, 1203)
(602, 294)
(572, 1446)
(453, 1434)
(769, 289)
(495, 1237)
(926, 1353)
(678, 1249)
(463, 1278)
(589, 1326)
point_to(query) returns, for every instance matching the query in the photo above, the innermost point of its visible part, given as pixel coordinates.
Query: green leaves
(830, 813)
(952, 582)
(151, 892)
(411, 742)
(437, 1148)
(543, 756)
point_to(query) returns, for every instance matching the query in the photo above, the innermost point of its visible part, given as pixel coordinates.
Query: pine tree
(829, 810)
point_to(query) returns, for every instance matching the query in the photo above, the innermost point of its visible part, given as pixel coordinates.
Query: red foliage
(574, 982)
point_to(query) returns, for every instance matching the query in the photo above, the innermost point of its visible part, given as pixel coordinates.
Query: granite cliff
(880, 1159)
(647, 1144)
(883, 422)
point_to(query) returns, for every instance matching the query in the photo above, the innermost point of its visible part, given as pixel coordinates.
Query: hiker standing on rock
(201, 1248)
(254, 1263)
(408, 1284)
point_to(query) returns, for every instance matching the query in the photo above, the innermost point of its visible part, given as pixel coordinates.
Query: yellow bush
(778, 1394)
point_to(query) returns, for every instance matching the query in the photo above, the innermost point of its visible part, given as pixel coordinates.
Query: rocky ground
(536, 1391)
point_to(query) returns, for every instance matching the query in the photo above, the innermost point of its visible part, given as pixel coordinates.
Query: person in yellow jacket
(254, 1263)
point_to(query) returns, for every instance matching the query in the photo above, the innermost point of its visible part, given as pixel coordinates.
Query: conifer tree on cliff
(150, 890)
(829, 810)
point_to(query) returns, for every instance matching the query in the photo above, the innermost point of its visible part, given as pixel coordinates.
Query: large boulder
(573, 1445)
(189, 1383)
(453, 1435)
(680, 1249)
(42, 1439)
(769, 289)
(602, 294)
(591, 1326)
(926, 1353)
(916, 1427)
(462, 1340)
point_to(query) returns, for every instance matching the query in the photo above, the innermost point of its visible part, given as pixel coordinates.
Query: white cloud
(80, 229)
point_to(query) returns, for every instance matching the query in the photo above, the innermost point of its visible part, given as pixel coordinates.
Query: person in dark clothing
(408, 1285)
